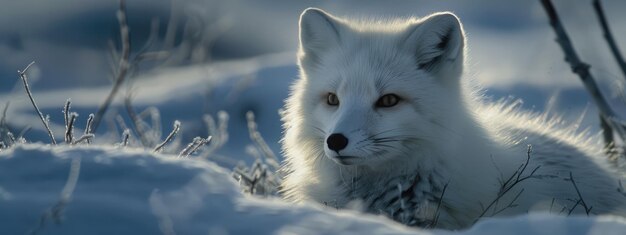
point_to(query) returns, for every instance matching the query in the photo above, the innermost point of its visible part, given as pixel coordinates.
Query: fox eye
(332, 99)
(388, 100)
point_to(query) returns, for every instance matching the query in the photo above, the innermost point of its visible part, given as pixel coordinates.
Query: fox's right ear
(319, 31)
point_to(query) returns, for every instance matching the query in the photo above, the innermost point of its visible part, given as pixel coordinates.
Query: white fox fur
(438, 137)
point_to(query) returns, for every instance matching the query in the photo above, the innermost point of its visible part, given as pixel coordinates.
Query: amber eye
(332, 99)
(388, 100)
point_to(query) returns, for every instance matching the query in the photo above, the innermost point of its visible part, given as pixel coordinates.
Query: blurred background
(239, 55)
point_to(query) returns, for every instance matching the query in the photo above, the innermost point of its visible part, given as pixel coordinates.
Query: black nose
(337, 142)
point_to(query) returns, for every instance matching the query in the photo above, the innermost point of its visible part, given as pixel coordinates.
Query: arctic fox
(381, 118)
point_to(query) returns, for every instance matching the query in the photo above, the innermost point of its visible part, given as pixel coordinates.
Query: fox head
(371, 92)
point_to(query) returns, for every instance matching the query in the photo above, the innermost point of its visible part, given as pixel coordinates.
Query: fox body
(381, 120)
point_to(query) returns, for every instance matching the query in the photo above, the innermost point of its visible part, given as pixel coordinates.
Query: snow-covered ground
(110, 190)
(114, 190)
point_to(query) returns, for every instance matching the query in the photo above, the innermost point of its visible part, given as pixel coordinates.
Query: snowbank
(126, 191)
(130, 191)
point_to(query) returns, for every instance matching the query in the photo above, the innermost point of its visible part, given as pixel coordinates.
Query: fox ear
(437, 43)
(319, 31)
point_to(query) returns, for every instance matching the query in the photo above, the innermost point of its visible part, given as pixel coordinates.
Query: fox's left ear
(437, 43)
(319, 32)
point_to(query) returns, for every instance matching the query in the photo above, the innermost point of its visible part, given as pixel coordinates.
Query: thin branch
(509, 184)
(609, 36)
(169, 137)
(32, 100)
(581, 200)
(436, 219)
(582, 69)
(123, 66)
(88, 127)
(4, 113)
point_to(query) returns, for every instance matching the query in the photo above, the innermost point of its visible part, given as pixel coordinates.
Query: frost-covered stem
(219, 132)
(4, 114)
(85, 137)
(135, 121)
(193, 146)
(11, 138)
(123, 66)
(169, 137)
(66, 112)
(609, 36)
(256, 137)
(200, 143)
(23, 132)
(69, 129)
(125, 137)
(88, 127)
(32, 100)
(582, 69)
(3, 128)
(172, 26)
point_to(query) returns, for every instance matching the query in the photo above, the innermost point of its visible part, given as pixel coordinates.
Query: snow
(131, 191)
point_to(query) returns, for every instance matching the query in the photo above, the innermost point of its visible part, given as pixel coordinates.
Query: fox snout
(336, 142)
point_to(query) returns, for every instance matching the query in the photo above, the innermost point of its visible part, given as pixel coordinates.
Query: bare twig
(123, 66)
(609, 36)
(580, 201)
(510, 183)
(169, 137)
(582, 69)
(436, 219)
(32, 100)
